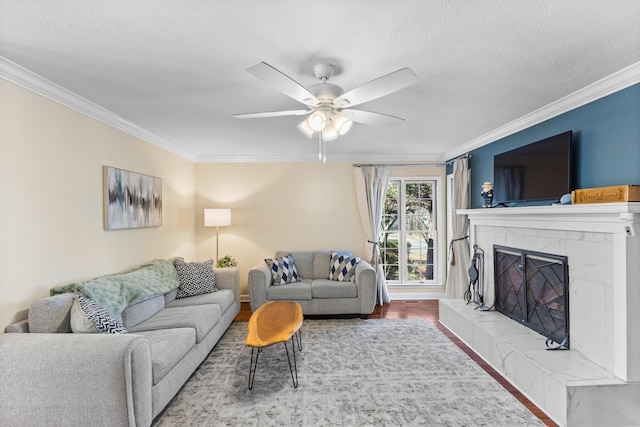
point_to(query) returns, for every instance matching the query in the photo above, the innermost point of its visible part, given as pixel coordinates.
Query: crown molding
(622, 79)
(29, 80)
(427, 160)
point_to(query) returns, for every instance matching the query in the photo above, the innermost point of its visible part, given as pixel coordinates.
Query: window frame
(437, 201)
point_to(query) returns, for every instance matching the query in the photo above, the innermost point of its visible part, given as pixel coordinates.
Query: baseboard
(415, 295)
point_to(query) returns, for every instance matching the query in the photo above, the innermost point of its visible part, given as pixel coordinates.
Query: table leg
(253, 366)
(295, 366)
(299, 333)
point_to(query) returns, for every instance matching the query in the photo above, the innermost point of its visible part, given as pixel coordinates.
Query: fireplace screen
(532, 288)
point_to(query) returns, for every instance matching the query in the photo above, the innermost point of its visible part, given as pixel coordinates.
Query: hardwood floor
(429, 309)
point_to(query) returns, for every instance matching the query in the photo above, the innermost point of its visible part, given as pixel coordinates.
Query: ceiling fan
(329, 111)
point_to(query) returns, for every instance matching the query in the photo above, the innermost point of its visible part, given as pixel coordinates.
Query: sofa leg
(364, 316)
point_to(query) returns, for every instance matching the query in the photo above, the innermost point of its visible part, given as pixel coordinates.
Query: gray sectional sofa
(51, 376)
(315, 292)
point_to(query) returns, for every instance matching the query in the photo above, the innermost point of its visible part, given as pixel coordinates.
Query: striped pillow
(87, 316)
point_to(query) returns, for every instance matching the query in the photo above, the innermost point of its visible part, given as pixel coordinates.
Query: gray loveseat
(316, 293)
(50, 376)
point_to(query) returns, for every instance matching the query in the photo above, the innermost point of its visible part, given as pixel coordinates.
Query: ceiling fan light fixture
(329, 112)
(304, 128)
(317, 120)
(330, 132)
(341, 123)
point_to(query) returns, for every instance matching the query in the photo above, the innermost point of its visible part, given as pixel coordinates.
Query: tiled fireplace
(597, 381)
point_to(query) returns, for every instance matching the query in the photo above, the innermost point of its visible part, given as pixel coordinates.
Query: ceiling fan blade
(377, 88)
(283, 83)
(272, 114)
(375, 119)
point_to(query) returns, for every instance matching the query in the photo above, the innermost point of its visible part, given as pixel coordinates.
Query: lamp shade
(330, 132)
(317, 120)
(217, 217)
(304, 128)
(341, 123)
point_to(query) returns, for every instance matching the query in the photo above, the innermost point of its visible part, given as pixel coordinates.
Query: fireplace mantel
(603, 218)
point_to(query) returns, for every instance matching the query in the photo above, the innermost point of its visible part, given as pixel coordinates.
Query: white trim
(438, 212)
(427, 159)
(415, 295)
(29, 80)
(615, 82)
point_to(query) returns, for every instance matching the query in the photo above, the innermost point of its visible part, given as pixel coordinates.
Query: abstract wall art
(131, 200)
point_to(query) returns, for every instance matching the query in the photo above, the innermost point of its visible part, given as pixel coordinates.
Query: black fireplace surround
(532, 288)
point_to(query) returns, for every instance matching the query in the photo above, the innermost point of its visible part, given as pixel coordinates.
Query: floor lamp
(217, 218)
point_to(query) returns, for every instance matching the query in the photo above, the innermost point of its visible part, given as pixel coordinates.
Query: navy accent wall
(606, 143)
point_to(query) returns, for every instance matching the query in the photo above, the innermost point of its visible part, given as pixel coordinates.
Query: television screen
(538, 171)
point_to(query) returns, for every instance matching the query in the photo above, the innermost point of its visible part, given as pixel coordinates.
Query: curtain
(371, 190)
(459, 258)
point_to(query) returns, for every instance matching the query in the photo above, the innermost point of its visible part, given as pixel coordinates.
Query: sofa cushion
(303, 261)
(291, 291)
(224, 298)
(51, 314)
(323, 288)
(168, 347)
(202, 318)
(283, 270)
(342, 267)
(170, 296)
(322, 263)
(88, 316)
(141, 311)
(196, 278)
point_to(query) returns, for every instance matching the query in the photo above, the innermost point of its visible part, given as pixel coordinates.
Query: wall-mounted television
(535, 172)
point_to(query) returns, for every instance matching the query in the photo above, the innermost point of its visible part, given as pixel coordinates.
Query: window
(410, 232)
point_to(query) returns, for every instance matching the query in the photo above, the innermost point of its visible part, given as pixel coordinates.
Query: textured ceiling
(176, 68)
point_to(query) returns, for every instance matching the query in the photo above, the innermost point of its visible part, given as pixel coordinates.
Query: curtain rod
(358, 165)
(468, 156)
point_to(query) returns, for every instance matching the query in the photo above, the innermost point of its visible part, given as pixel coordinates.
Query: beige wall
(51, 227)
(286, 206)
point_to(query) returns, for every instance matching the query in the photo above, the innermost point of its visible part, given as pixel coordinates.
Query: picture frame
(131, 200)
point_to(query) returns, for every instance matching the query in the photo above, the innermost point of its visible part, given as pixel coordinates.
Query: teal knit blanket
(115, 292)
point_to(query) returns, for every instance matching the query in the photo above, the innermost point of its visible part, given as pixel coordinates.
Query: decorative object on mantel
(227, 261)
(613, 194)
(487, 194)
(217, 218)
(565, 199)
(131, 200)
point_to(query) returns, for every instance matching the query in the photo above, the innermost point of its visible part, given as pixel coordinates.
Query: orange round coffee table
(272, 323)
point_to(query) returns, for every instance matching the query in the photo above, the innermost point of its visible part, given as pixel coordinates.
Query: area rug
(352, 372)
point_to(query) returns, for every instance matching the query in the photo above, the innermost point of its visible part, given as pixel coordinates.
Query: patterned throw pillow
(87, 316)
(196, 278)
(283, 270)
(342, 267)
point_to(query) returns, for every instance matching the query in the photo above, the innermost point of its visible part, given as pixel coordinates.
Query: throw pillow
(87, 316)
(342, 267)
(195, 278)
(283, 270)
